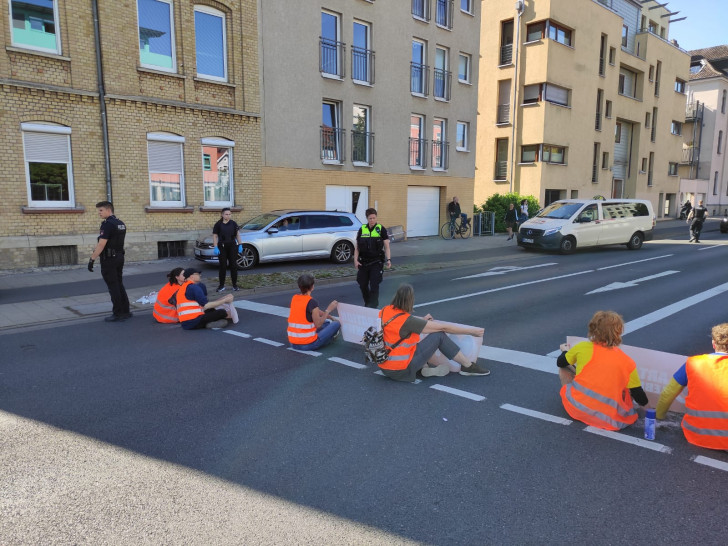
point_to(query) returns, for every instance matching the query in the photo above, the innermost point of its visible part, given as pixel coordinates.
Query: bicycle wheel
(464, 230)
(446, 231)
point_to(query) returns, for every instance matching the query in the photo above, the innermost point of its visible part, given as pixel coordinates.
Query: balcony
(440, 155)
(503, 114)
(690, 155)
(362, 65)
(331, 55)
(417, 153)
(362, 148)
(332, 144)
(421, 9)
(501, 170)
(506, 54)
(419, 76)
(443, 14)
(442, 84)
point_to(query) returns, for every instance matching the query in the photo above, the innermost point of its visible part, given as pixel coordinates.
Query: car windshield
(560, 211)
(259, 222)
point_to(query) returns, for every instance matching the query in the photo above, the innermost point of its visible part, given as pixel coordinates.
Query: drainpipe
(102, 98)
(519, 9)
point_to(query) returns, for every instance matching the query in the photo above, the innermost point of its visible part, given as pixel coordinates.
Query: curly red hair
(605, 328)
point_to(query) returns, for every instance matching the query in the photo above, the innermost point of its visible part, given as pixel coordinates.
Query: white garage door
(423, 211)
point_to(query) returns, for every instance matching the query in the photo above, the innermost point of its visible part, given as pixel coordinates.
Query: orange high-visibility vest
(301, 331)
(163, 310)
(187, 309)
(401, 355)
(706, 406)
(599, 396)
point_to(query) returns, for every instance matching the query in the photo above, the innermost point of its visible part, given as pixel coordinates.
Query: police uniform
(696, 226)
(370, 243)
(112, 263)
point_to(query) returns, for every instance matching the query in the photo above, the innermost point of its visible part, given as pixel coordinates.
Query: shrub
(499, 204)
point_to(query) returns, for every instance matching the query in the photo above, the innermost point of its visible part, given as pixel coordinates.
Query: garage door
(423, 211)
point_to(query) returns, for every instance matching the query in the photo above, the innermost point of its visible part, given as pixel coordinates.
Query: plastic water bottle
(650, 416)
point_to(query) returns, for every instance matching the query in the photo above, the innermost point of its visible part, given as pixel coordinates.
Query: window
(672, 169)
(331, 48)
(418, 72)
(503, 113)
(595, 164)
(554, 31)
(612, 55)
(501, 159)
(602, 53)
(439, 145)
(362, 139)
(545, 91)
(210, 43)
(462, 137)
(421, 9)
(720, 141)
(529, 154)
(627, 82)
(651, 73)
(605, 160)
(48, 169)
(506, 43)
(553, 154)
(156, 35)
(658, 72)
(532, 93)
(362, 57)
(559, 34)
(647, 120)
(466, 6)
(715, 183)
(608, 109)
(332, 135)
(443, 16)
(464, 61)
(653, 132)
(441, 74)
(679, 86)
(217, 171)
(417, 145)
(651, 168)
(166, 172)
(34, 25)
(722, 102)
(643, 168)
(618, 132)
(625, 35)
(676, 127)
(535, 31)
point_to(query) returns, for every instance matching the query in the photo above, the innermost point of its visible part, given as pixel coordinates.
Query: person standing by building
(511, 220)
(227, 244)
(110, 248)
(371, 255)
(698, 216)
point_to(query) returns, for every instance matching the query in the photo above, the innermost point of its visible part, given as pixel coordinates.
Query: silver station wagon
(291, 235)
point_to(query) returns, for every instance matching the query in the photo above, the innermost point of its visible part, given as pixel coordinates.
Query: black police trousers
(228, 257)
(112, 269)
(369, 277)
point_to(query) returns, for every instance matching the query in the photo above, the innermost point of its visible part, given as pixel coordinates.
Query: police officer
(110, 249)
(370, 256)
(696, 218)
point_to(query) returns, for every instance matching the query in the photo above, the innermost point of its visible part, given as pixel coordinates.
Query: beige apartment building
(370, 104)
(171, 137)
(704, 167)
(580, 98)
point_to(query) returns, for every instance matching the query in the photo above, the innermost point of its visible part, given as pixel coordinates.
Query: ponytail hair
(172, 275)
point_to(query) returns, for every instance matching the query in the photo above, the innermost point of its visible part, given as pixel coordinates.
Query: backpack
(373, 340)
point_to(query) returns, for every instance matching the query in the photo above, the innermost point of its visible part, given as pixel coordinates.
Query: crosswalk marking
(458, 392)
(536, 414)
(647, 444)
(311, 353)
(268, 341)
(236, 333)
(349, 363)
(720, 465)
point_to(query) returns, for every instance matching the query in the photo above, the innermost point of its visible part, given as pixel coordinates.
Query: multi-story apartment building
(157, 109)
(704, 168)
(580, 98)
(370, 104)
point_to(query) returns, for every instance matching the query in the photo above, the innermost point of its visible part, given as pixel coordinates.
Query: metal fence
(484, 223)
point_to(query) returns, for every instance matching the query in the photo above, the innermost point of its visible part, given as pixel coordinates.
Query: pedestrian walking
(227, 244)
(110, 249)
(371, 255)
(698, 215)
(511, 220)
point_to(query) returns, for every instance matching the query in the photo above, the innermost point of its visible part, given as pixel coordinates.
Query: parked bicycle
(450, 229)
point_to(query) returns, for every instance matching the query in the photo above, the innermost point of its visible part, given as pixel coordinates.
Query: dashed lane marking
(635, 262)
(311, 353)
(239, 334)
(262, 308)
(268, 341)
(720, 465)
(519, 358)
(710, 247)
(458, 392)
(537, 414)
(349, 363)
(647, 444)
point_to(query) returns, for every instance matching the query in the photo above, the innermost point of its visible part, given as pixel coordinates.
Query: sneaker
(236, 288)
(216, 324)
(437, 371)
(474, 369)
(220, 289)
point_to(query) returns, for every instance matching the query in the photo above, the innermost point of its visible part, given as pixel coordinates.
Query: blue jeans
(463, 219)
(325, 335)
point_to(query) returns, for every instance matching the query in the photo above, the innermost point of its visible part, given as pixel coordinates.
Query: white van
(571, 223)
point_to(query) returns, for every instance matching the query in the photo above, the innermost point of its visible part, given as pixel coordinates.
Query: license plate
(527, 240)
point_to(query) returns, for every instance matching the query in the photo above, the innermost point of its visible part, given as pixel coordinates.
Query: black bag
(374, 349)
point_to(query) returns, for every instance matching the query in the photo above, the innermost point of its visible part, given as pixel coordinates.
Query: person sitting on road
(598, 379)
(165, 307)
(193, 308)
(408, 353)
(705, 423)
(310, 328)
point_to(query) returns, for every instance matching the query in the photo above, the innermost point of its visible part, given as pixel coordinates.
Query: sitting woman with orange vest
(310, 328)
(408, 354)
(165, 311)
(705, 423)
(193, 308)
(598, 380)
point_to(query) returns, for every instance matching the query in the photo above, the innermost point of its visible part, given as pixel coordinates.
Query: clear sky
(706, 24)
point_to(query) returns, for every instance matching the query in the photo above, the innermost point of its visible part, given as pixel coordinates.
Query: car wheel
(635, 242)
(342, 252)
(568, 245)
(248, 258)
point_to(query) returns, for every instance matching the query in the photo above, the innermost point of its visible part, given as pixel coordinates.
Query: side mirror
(584, 219)
(272, 231)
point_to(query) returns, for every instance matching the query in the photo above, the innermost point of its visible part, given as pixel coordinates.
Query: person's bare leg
(567, 375)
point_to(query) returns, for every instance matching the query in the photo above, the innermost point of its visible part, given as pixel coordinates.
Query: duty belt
(110, 253)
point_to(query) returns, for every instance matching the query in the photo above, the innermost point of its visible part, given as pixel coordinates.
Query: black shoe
(126, 316)
(236, 288)
(220, 288)
(115, 318)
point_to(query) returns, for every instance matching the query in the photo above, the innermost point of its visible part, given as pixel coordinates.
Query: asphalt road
(144, 433)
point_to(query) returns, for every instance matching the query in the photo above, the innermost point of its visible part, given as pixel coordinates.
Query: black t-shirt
(454, 208)
(114, 231)
(699, 213)
(226, 233)
(310, 306)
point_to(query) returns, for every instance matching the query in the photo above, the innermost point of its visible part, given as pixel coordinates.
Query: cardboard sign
(655, 369)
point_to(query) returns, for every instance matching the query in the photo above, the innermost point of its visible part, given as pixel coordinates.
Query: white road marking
(464, 296)
(262, 308)
(458, 392)
(503, 269)
(720, 465)
(709, 247)
(635, 262)
(627, 284)
(379, 372)
(537, 414)
(268, 341)
(239, 334)
(519, 358)
(349, 363)
(312, 353)
(647, 444)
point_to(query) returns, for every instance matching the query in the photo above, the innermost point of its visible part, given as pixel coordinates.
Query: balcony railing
(419, 76)
(443, 16)
(504, 114)
(440, 154)
(331, 57)
(506, 54)
(595, 173)
(332, 144)
(690, 155)
(417, 152)
(421, 9)
(362, 147)
(501, 170)
(598, 121)
(442, 83)
(601, 66)
(362, 65)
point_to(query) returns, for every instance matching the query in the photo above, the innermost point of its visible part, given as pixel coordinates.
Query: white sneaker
(437, 371)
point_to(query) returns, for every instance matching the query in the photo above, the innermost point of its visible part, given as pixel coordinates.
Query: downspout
(102, 98)
(519, 9)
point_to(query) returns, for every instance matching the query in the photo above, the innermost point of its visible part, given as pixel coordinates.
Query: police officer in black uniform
(370, 256)
(696, 218)
(110, 249)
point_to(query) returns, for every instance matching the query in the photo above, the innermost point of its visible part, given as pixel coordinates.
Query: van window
(559, 210)
(590, 213)
(624, 210)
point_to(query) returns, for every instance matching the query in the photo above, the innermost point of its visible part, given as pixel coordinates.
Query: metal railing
(362, 64)
(595, 173)
(506, 54)
(503, 114)
(484, 223)
(501, 170)
(418, 152)
(332, 144)
(362, 147)
(601, 66)
(690, 155)
(331, 57)
(419, 76)
(442, 81)
(440, 154)
(598, 122)
(421, 9)
(443, 15)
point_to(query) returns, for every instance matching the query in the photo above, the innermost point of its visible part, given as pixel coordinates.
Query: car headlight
(551, 231)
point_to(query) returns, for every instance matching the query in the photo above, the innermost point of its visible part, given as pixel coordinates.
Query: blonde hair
(605, 328)
(404, 298)
(720, 337)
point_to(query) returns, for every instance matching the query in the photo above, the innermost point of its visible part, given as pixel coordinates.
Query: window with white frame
(441, 74)
(676, 127)
(34, 25)
(672, 169)
(48, 168)
(362, 56)
(331, 48)
(679, 85)
(462, 136)
(362, 139)
(417, 145)
(464, 62)
(439, 144)
(217, 171)
(418, 68)
(156, 35)
(166, 169)
(466, 6)
(332, 134)
(210, 43)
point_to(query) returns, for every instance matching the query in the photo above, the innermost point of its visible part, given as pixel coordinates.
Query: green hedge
(498, 204)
